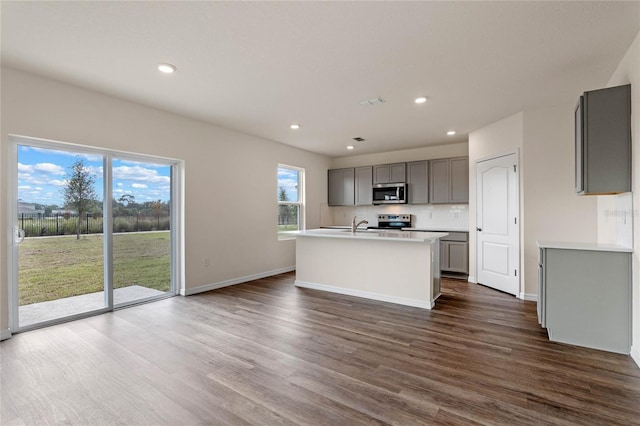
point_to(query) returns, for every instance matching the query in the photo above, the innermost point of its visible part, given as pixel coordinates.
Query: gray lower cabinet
(418, 181)
(364, 179)
(341, 187)
(449, 180)
(584, 297)
(454, 253)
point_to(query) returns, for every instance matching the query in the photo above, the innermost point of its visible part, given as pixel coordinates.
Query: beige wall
(628, 71)
(549, 208)
(552, 210)
(230, 177)
(502, 137)
(401, 156)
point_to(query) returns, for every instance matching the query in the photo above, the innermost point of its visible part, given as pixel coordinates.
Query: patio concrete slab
(44, 311)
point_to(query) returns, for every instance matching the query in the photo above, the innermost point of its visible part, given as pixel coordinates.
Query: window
(290, 199)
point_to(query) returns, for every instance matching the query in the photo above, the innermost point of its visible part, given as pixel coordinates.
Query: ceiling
(258, 67)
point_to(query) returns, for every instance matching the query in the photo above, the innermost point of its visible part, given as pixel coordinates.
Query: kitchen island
(392, 266)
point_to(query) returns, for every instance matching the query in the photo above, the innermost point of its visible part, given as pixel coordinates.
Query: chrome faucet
(354, 226)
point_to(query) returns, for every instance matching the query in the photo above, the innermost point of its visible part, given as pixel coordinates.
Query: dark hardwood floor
(267, 353)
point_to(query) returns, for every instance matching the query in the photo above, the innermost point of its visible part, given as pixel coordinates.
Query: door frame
(177, 257)
(521, 294)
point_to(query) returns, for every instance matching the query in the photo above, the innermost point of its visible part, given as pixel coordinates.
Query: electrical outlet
(207, 262)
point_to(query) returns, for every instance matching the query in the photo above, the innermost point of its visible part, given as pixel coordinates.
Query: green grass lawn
(55, 267)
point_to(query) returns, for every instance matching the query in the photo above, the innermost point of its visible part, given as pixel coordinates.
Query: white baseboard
(635, 354)
(366, 294)
(5, 334)
(234, 281)
(472, 279)
(528, 296)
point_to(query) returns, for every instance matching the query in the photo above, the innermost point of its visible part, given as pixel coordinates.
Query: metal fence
(35, 225)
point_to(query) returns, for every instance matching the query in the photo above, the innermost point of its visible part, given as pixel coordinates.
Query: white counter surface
(437, 229)
(568, 245)
(372, 234)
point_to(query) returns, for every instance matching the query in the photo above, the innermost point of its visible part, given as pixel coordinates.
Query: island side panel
(392, 271)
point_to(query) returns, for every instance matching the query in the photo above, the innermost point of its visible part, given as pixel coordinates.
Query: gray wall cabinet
(441, 181)
(449, 180)
(454, 252)
(390, 173)
(418, 181)
(341, 187)
(364, 179)
(584, 297)
(603, 141)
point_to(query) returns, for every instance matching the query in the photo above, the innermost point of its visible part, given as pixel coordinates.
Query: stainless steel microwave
(390, 193)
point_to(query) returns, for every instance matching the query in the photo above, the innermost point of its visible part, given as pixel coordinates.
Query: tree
(284, 210)
(79, 193)
(127, 199)
(282, 194)
(156, 208)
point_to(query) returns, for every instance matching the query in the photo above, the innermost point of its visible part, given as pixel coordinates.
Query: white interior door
(498, 236)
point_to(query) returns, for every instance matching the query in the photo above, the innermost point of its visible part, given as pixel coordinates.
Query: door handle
(18, 235)
(479, 229)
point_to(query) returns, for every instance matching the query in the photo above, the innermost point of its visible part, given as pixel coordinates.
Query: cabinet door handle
(479, 229)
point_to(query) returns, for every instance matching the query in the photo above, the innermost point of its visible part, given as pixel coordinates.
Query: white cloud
(25, 168)
(49, 168)
(139, 186)
(24, 187)
(139, 174)
(87, 157)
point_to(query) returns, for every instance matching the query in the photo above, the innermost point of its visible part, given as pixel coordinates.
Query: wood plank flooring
(267, 353)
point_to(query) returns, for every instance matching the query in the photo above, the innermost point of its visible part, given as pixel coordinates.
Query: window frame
(300, 203)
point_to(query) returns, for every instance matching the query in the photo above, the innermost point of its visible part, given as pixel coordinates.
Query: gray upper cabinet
(449, 180)
(390, 173)
(364, 179)
(603, 141)
(418, 180)
(341, 187)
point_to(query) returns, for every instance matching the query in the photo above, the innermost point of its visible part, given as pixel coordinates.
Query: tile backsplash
(454, 217)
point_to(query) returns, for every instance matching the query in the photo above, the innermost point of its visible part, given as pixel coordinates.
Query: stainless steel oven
(393, 221)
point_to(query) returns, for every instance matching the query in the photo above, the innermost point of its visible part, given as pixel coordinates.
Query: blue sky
(288, 179)
(42, 174)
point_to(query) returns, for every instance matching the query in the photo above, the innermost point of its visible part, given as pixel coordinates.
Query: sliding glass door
(75, 253)
(141, 231)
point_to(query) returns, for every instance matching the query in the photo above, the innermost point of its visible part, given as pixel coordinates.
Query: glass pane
(288, 217)
(288, 180)
(60, 261)
(141, 231)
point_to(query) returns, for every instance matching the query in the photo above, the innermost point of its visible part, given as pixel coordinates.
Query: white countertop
(372, 234)
(437, 229)
(568, 245)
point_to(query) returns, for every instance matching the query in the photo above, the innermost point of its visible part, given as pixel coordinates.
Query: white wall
(552, 210)
(499, 138)
(230, 177)
(401, 156)
(549, 209)
(628, 71)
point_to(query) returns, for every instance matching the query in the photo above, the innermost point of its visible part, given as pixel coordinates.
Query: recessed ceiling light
(350, 147)
(420, 100)
(451, 132)
(167, 68)
(295, 126)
